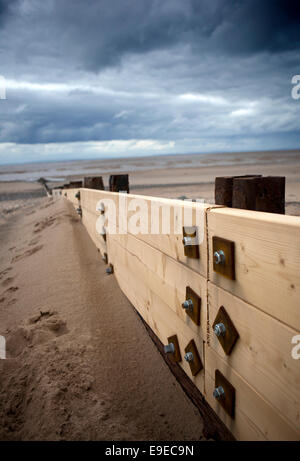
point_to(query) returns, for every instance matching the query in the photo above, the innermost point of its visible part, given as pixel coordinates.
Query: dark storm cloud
(199, 75)
(94, 34)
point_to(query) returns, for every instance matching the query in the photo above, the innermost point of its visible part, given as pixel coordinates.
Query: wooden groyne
(243, 277)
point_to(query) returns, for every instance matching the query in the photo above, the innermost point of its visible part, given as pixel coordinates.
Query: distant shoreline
(61, 171)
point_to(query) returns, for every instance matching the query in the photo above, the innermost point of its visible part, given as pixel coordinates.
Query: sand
(80, 364)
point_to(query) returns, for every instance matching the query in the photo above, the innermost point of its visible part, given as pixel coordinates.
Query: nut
(187, 241)
(219, 393)
(188, 305)
(169, 348)
(219, 257)
(189, 357)
(219, 329)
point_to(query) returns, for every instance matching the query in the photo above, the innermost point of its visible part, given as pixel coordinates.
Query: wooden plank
(129, 263)
(71, 196)
(157, 314)
(166, 277)
(255, 418)
(169, 243)
(262, 354)
(267, 260)
(89, 221)
(213, 428)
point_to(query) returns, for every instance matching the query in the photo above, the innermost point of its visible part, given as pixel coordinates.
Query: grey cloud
(93, 34)
(163, 64)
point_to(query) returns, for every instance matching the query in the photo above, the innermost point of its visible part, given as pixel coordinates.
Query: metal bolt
(169, 348)
(187, 241)
(219, 393)
(110, 269)
(101, 208)
(189, 357)
(79, 211)
(219, 329)
(219, 257)
(188, 305)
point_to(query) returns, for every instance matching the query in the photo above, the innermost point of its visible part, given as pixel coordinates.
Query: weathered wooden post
(119, 182)
(75, 184)
(254, 192)
(224, 189)
(93, 182)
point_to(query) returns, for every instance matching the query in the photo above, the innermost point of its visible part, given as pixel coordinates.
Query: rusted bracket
(193, 358)
(190, 242)
(192, 305)
(224, 392)
(223, 257)
(225, 331)
(173, 349)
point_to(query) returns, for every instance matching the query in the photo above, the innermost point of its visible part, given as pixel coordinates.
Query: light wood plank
(255, 419)
(164, 276)
(71, 196)
(267, 260)
(161, 319)
(262, 354)
(89, 221)
(169, 243)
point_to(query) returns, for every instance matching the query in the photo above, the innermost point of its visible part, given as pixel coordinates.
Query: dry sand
(80, 363)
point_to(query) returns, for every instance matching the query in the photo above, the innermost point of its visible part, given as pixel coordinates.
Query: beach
(80, 364)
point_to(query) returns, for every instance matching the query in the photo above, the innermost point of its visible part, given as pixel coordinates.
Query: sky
(119, 78)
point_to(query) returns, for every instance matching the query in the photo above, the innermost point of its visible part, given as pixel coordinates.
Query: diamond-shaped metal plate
(228, 401)
(228, 268)
(231, 335)
(176, 357)
(191, 251)
(196, 364)
(195, 313)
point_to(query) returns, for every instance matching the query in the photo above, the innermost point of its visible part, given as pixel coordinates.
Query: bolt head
(109, 270)
(187, 241)
(189, 357)
(169, 348)
(219, 257)
(219, 329)
(219, 393)
(101, 208)
(188, 304)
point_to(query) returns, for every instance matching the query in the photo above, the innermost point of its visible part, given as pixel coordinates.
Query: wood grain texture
(162, 320)
(267, 260)
(255, 418)
(262, 302)
(214, 428)
(262, 354)
(164, 276)
(71, 196)
(89, 220)
(140, 209)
